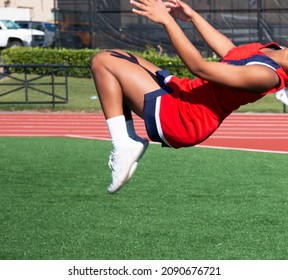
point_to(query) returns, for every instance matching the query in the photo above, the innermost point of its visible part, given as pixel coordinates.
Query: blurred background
(91, 24)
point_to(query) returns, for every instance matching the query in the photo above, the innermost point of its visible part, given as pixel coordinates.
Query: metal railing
(39, 88)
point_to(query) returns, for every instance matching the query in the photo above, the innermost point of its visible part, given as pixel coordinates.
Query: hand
(155, 10)
(178, 9)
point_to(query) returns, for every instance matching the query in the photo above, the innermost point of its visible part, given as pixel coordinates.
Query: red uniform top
(196, 108)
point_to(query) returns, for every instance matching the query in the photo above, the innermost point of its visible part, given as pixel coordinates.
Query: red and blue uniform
(185, 112)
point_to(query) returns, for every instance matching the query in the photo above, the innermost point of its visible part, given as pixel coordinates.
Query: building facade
(40, 10)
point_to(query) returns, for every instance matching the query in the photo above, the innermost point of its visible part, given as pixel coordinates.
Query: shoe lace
(111, 160)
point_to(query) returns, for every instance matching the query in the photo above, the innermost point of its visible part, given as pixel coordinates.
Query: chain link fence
(111, 24)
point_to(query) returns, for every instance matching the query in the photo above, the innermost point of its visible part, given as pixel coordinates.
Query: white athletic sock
(118, 131)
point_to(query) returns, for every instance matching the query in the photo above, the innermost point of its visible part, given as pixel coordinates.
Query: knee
(104, 58)
(98, 61)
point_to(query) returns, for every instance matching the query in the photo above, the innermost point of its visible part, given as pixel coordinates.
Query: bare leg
(122, 80)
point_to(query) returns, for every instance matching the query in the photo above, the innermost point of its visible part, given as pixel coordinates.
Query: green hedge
(78, 61)
(26, 56)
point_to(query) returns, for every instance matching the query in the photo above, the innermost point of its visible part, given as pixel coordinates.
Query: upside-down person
(180, 112)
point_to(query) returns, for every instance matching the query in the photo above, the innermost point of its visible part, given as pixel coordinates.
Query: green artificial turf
(193, 203)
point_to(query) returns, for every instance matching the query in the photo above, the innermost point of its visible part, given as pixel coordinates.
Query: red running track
(256, 132)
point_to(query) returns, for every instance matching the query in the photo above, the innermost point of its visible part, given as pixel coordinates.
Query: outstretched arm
(256, 78)
(218, 42)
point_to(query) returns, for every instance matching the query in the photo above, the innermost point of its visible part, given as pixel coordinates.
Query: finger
(169, 5)
(179, 3)
(176, 3)
(140, 2)
(140, 8)
(137, 5)
(139, 12)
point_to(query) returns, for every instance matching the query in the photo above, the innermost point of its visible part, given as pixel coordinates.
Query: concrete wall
(39, 9)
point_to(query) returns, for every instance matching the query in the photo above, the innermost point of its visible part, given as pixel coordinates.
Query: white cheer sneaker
(123, 162)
